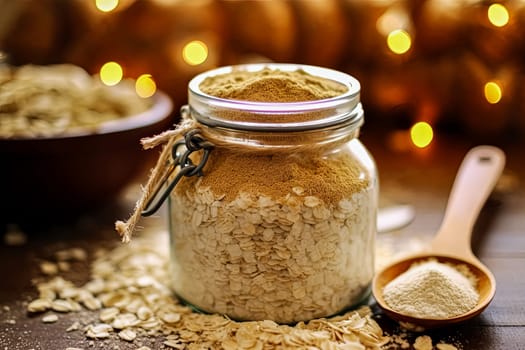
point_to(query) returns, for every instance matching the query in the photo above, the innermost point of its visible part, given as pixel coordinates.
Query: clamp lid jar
(281, 223)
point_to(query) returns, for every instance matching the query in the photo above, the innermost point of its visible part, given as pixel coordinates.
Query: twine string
(159, 171)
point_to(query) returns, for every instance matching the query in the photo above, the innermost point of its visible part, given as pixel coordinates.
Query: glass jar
(281, 224)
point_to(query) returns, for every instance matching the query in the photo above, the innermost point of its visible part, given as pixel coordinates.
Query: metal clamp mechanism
(193, 142)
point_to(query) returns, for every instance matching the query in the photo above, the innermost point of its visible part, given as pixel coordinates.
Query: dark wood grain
(422, 179)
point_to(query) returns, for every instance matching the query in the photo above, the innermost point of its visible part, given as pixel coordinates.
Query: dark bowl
(54, 178)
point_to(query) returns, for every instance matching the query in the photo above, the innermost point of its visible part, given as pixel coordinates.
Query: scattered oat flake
(68, 293)
(74, 327)
(98, 331)
(92, 303)
(423, 342)
(60, 305)
(445, 346)
(47, 294)
(48, 268)
(39, 305)
(107, 315)
(127, 334)
(125, 320)
(52, 318)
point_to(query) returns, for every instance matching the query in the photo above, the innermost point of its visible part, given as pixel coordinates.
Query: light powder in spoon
(432, 290)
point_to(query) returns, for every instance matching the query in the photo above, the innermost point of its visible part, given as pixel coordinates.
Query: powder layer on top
(230, 173)
(271, 85)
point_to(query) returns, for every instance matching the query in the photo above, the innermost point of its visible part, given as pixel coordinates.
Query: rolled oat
(127, 334)
(52, 318)
(39, 305)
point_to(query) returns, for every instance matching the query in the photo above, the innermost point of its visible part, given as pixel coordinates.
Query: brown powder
(229, 173)
(269, 85)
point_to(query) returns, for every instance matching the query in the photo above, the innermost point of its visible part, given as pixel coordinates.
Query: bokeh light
(498, 15)
(106, 5)
(145, 86)
(493, 92)
(421, 134)
(111, 73)
(195, 53)
(399, 41)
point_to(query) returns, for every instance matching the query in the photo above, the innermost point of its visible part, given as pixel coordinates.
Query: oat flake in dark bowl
(58, 176)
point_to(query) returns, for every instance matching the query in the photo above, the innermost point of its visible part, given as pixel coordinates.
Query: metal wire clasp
(193, 142)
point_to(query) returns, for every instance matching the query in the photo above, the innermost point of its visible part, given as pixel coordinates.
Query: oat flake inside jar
(281, 223)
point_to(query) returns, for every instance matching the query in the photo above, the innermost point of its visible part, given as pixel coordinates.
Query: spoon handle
(474, 182)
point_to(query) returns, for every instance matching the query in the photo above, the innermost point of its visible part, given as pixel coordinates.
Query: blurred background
(426, 66)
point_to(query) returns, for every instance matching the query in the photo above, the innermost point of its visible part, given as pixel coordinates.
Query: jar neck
(271, 141)
(280, 125)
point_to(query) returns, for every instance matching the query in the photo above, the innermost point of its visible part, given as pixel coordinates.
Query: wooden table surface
(422, 179)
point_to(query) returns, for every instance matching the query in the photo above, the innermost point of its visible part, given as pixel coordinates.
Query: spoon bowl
(486, 288)
(475, 180)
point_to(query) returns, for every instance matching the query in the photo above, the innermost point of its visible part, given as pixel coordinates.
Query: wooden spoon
(474, 182)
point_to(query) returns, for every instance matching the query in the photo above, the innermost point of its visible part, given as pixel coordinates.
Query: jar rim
(347, 106)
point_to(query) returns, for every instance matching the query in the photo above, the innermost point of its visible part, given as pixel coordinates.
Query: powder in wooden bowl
(432, 290)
